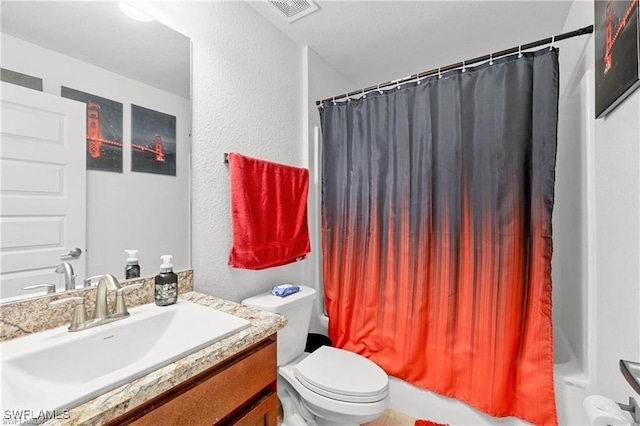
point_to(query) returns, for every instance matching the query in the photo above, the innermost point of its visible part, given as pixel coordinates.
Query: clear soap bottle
(166, 283)
(132, 270)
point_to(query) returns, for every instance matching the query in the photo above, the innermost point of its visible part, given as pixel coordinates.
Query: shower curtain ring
(464, 67)
(348, 98)
(418, 78)
(334, 100)
(439, 73)
(490, 58)
(379, 91)
(520, 51)
(553, 40)
(363, 94)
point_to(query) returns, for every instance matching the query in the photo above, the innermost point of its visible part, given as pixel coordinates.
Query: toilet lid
(342, 375)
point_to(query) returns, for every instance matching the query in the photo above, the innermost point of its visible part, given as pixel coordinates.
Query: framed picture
(617, 68)
(104, 130)
(153, 141)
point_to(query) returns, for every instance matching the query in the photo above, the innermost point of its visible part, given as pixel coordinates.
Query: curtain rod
(564, 36)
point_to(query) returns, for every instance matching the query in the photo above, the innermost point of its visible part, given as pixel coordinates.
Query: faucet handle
(51, 288)
(79, 314)
(121, 307)
(92, 280)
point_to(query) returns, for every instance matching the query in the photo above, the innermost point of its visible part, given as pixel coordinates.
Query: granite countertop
(126, 397)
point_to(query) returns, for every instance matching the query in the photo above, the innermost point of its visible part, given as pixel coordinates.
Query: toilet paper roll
(604, 411)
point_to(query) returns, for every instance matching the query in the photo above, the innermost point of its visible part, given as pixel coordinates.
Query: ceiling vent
(294, 9)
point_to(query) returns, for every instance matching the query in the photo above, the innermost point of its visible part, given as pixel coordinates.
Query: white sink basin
(57, 370)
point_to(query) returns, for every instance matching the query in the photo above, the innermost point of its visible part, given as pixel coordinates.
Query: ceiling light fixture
(133, 12)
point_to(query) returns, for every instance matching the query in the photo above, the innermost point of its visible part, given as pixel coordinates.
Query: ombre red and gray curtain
(436, 225)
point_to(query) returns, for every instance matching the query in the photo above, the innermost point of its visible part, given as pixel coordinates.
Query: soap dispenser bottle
(166, 283)
(132, 270)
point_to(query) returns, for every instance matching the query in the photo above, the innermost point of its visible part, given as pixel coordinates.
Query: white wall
(617, 192)
(320, 82)
(127, 210)
(254, 93)
(247, 98)
(602, 163)
(573, 218)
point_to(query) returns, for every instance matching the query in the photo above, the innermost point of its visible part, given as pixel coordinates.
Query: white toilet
(328, 386)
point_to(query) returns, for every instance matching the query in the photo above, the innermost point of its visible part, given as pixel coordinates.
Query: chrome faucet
(69, 277)
(101, 315)
(107, 282)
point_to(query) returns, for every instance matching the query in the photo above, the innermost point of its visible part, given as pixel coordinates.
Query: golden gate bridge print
(610, 37)
(95, 139)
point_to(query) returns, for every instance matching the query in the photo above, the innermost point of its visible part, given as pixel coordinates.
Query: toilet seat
(342, 375)
(330, 408)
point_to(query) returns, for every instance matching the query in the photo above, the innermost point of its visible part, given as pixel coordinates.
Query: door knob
(73, 253)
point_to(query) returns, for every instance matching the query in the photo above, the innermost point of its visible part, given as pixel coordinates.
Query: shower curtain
(436, 232)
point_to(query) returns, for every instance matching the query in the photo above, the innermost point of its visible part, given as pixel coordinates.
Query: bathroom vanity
(231, 381)
(240, 390)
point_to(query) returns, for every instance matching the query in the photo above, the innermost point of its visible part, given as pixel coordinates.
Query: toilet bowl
(338, 386)
(328, 386)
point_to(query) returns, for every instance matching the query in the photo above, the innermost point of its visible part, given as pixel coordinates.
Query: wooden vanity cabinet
(239, 391)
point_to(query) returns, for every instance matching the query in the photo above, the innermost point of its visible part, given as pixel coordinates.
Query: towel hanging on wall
(268, 213)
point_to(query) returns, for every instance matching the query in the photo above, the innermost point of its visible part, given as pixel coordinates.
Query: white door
(42, 189)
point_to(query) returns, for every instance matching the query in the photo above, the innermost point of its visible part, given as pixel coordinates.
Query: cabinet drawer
(218, 395)
(265, 413)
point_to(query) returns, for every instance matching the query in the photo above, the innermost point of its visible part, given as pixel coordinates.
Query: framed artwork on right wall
(617, 44)
(153, 141)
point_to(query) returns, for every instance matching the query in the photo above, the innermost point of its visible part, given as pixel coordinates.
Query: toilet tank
(297, 309)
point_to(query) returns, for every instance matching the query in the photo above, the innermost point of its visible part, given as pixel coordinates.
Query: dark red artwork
(616, 44)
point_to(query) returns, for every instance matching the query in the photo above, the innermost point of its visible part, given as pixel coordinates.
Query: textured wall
(617, 296)
(599, 282)
(247, 98)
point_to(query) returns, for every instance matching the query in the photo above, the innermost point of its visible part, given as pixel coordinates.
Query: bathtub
(570, 385)
(570, 382)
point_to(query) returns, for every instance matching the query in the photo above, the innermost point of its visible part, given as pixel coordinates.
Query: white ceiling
(368, 41)
(371, 42)
(98, 33)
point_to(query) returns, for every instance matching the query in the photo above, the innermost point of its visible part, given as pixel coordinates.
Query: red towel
(268, 213)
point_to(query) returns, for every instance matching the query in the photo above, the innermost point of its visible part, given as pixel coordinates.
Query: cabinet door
(265, 413)
(216, 397)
